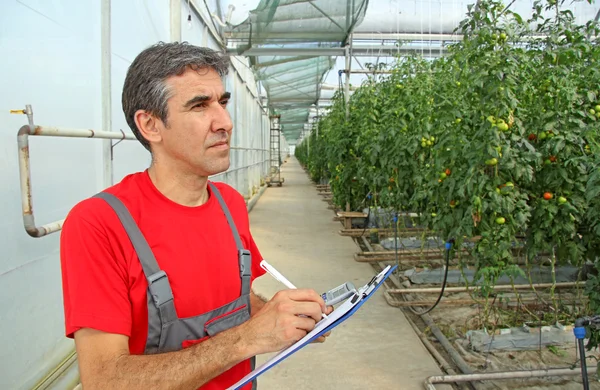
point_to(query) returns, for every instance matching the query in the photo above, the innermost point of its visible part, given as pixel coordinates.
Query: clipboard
(344, 311)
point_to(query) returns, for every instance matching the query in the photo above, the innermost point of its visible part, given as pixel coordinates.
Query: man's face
(198, 129)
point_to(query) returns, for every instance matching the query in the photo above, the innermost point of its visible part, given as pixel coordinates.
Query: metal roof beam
(361, 51)
(282, 61)
(357, 36)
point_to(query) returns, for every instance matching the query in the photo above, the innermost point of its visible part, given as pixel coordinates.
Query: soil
(454, 321)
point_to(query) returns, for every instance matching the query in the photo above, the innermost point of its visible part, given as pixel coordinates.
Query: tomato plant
(496, 140)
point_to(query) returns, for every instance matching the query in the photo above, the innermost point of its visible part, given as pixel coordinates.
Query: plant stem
(521, 304)
(528, 266)
(554, 302)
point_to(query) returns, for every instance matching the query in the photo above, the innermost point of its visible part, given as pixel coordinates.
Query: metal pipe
(434, 352)
(470, 302)
(367, 71)
(25, 168)
(175, 16)
(105, 78)
(465, 289)
(458, 360)
(432, 380)
(47, 381)
(347, 83)
(48, 131)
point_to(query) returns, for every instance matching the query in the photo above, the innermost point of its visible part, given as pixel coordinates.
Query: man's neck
(184, 188)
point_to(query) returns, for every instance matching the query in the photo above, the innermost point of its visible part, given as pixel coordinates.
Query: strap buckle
(245, 259)
(160, 289)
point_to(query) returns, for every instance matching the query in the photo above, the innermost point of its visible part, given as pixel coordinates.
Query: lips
(220, 144)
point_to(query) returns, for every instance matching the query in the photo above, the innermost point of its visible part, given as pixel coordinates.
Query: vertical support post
(347, 84)
(175, 13)
(307, 145)
(105, 70)
(318, 120)
(205, 36)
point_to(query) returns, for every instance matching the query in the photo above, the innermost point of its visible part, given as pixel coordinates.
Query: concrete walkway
(376, 348)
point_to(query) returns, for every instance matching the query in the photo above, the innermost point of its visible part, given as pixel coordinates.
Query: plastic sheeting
(292, 83)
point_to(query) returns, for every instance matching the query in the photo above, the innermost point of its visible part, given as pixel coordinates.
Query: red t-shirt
(104, 286)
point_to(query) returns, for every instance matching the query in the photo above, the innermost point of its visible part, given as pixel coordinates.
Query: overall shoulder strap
(158, 283)
(244, 257)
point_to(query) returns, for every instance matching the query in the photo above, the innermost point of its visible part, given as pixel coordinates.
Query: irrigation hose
(584, 378)
(448, 248)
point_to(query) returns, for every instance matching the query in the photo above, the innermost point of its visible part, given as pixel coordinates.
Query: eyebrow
(204, 98)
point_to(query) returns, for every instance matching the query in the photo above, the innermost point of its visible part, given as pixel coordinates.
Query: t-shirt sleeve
(256, 259)
(94, 276)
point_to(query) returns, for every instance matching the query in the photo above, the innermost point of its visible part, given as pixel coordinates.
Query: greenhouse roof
(297, 48)
(288, 43)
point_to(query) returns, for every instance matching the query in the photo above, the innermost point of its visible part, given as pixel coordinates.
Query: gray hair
(145, 87)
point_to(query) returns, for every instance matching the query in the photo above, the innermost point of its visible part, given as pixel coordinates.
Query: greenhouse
(300, 194)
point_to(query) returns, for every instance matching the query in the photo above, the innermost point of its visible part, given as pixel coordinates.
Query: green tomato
(500, 220)
(423, 144)
(509, 184)
(491, 162)
(457, 120)
(542, 136)
(433, 214)
(503, 126)
(498, 191)
(562, 200)
(503, 36)
(592, 111)
(597, 108)
(547, 162)
(443, 176)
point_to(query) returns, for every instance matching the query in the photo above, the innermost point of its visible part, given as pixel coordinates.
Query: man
(157, 268)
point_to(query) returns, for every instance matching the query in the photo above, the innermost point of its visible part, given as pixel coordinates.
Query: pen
(279, 277)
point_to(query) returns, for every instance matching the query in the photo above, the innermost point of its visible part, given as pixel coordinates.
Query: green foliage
(473, 141)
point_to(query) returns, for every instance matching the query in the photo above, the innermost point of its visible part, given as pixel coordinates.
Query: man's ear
(148, 125)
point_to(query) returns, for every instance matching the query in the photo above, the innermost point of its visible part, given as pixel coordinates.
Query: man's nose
(221, 119)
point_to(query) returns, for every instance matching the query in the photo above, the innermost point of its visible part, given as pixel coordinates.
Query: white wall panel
(52, 60)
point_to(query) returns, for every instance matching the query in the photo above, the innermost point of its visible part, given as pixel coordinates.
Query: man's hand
(283, 320)
(323, 337)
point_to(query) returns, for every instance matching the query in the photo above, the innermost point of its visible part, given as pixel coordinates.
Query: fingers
(306, 324)
(322, 338)
(329, 310)
(304, 295)
(308, 309)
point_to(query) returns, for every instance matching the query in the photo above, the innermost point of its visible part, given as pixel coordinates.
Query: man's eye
(199, 105)
(224, 102)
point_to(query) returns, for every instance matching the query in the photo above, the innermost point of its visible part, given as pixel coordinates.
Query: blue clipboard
(362, 297)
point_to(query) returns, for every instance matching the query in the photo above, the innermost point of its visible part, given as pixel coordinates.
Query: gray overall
(166, 331)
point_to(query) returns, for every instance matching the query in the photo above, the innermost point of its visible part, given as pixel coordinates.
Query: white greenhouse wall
(52, 60)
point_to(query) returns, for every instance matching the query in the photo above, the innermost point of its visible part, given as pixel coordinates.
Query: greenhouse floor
(374, 349)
